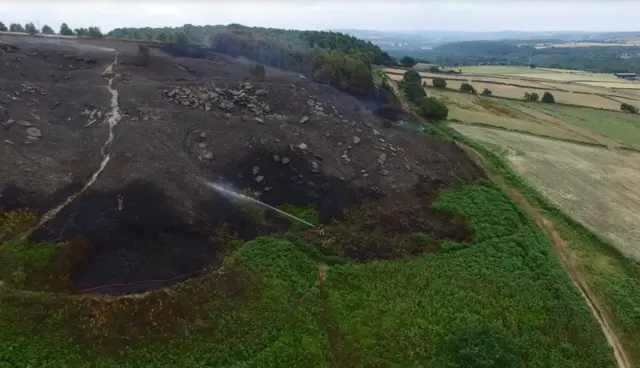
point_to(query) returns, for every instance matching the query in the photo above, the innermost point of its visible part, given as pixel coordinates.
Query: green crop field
(619, 126)
(502, 298)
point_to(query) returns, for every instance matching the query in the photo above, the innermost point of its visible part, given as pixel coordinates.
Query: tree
(3, 28)
(65, 30)
(83, 32)
(408, 61)
(434, 69)
(531, 96)
(16, 27)
(47, 30)
(625, 107)
(181, 38)
(411, 85)
(486, 92)
(95, 32)
(30, 28)
(162, 37)
(432, 109)
(439, 82)
(411, 76)
(467, 88)
(548, 98)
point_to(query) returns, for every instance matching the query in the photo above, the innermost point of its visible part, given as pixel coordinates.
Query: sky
(480, 15)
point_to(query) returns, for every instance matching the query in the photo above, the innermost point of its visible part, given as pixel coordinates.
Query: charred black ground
(185, 120)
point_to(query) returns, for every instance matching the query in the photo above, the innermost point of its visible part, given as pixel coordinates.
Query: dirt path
(596, 307)
(113, 120)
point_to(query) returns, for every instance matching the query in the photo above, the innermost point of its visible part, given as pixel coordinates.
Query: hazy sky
(479, 15)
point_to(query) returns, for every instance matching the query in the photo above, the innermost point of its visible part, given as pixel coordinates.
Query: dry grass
(614, 84)
(594, 185)
(512, 115)
(501, 90)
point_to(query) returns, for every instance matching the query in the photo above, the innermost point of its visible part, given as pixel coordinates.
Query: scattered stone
(245, 118)
(34, 132)
(276, 158)
(207, 155)
(256, 170)
(25, 123)
(303, 120)
(261, 92)
(382, 158)
(203, 135)
(259, 120)
(302, 146)
(259, 179)
(376, 133)
(356, 139)
(8, 124)
(202, 145)
(385, 172)
(327, 134)
(267, 189)
(285, 160)
(311, 184)
(314, 167)
(263, 141)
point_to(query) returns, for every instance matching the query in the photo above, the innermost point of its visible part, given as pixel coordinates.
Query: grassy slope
(267, 309)
(615, 278)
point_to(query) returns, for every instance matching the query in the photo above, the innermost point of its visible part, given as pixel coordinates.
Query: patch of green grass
(619, 126)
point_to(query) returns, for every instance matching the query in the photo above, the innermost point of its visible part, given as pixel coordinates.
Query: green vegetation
(408, 61)
(500, 300)
(433, 109)
(625, 107)
(486, 92)
(47, 30)
(439, 83)
(31, 28)
(467, 88)
(3, 28)
(411, 86)
(65, 30)
(548, 98)
(16, 27)
(533, 96)
(614, 276)
(619, 126)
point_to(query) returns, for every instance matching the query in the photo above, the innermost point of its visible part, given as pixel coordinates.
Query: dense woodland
(605, 59)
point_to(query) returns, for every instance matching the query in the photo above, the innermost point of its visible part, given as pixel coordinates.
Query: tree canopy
(3, 28)
(65, 30)
(47, 30)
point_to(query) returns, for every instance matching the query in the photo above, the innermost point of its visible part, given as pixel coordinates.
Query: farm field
(621, 127)
(515, 85)
(598, 187)
(513, 116)
(613, 84)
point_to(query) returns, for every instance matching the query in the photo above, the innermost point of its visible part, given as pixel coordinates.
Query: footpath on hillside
(597, 308)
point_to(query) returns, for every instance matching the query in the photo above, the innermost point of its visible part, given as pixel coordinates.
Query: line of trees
(429, 108)
(65, 30)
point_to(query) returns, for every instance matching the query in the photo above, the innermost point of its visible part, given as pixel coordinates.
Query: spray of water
(242, 197)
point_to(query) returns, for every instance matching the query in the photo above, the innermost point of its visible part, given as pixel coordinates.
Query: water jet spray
(241, 197)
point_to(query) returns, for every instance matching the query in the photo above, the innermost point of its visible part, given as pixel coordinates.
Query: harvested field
(595, 185)
(614, 84)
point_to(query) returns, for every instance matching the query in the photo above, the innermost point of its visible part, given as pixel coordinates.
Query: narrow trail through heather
(113, 120)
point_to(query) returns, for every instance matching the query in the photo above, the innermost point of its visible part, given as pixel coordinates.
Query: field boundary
(496, 168)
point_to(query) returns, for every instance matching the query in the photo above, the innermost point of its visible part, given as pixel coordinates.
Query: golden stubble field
(597, 186)
(597, 90)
